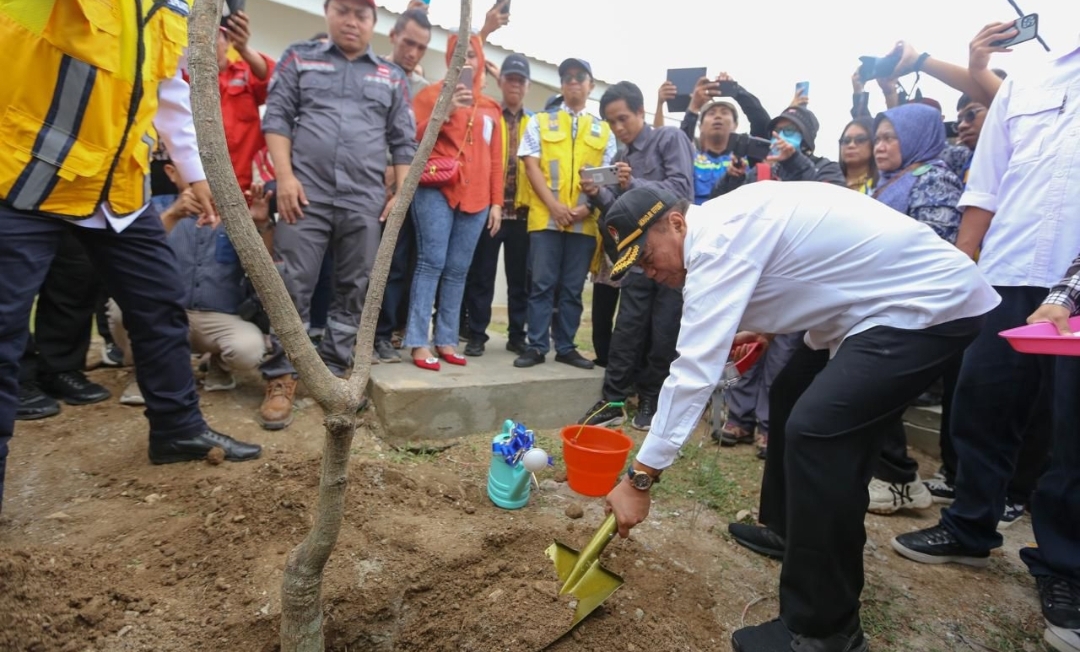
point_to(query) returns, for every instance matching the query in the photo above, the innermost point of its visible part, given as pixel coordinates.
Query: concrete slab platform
(417, 406)
(923, 425)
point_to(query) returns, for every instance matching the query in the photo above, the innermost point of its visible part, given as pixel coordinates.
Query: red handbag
(443, 170)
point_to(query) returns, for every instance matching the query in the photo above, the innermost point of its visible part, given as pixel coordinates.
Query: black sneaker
(603, 414)
(529, 358)
(941, 491)
(775, 636)
(1060, 600)
(111, 355)
(574, 359)
(645, 411)
(936, 545)
(74, 388)
(516, 345)
(758, 538)
(475, 347)
(386, 353)
(1013, 512)
(34, 403)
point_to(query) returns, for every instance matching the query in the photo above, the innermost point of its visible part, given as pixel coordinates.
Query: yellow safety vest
(561, 159)
(79, 95)
(523, 192)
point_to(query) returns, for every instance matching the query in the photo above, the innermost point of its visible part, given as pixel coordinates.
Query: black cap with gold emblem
(626, 222)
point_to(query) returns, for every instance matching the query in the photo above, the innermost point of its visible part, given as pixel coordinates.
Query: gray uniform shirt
(342, 116)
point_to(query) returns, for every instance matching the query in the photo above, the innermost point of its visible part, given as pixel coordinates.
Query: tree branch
(365, 341)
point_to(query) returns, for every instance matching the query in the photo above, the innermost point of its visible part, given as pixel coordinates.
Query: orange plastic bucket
(595, 458)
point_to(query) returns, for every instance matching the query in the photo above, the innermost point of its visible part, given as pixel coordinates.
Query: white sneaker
(132, 395)
(887, 498)
(1061, 639)
(218, 377)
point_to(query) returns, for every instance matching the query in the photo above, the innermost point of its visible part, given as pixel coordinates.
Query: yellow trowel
(581, 574)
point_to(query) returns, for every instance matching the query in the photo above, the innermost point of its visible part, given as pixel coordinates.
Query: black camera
(878, 67)
(749, 147)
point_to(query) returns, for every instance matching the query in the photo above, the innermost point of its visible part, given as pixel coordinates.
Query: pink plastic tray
(1044, 339)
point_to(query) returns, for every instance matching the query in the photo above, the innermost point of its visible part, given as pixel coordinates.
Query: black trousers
(395, 307)
(140, 273)
(605, 300)
(895, 464)
(998, 395)
(513, 237)
(1055, 504)
(65, 311)
(649, 315)
(826, 420)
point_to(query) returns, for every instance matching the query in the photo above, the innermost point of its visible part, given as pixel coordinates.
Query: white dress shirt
(1026, 170)
(176, 127)
(776, 257)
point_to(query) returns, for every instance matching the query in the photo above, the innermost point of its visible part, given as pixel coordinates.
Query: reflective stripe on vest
(70, 96)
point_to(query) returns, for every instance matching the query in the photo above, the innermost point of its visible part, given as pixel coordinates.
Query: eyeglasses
(969, 115)
(789, 132)
(579, 77)
(885, 138)
(861, 139)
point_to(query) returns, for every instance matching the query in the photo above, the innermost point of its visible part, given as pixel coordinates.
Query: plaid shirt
(1067, 292)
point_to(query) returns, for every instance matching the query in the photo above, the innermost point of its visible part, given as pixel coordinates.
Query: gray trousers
(353, 238)
(748, 400)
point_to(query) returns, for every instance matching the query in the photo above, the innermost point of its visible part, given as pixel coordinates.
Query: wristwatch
(641, 480)
(920, 61)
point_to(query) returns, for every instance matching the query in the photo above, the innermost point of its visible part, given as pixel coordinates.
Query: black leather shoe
(35, 404)
(529, 358)
(516, 346)
(758, 538)
(475, 347)
(74, 388)
(169, 451)
(574, 359)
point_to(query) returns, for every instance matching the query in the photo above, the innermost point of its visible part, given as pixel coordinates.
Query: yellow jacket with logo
(561, 158)
(78, 99)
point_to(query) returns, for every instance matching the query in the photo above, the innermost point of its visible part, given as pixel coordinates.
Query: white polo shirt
(778, 258)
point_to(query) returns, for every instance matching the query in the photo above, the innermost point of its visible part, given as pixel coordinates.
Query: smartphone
(605, 176)
(504, 10)
(1027, 28)
(952, 129)
(233, 6)
(466, 77)
(802, 89)
(878, 67)
(729, 88)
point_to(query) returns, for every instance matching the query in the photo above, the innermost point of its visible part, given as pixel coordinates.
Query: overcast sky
(767, 46)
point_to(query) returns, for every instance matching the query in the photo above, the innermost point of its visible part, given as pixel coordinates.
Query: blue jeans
(445, 241)
(557, 260)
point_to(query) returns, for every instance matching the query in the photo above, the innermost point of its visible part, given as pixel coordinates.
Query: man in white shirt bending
(885, 303)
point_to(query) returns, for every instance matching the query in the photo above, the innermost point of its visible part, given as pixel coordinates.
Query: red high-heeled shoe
(453, 358)
(431, 364)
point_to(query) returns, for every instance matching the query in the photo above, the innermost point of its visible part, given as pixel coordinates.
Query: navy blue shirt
(210, 269)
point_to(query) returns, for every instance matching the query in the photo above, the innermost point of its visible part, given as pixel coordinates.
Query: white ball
(535, 459)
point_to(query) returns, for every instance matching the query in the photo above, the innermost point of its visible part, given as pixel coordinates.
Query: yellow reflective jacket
(79, 95)
(561, 158)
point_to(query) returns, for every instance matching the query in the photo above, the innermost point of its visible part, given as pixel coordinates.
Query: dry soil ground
(101, 551)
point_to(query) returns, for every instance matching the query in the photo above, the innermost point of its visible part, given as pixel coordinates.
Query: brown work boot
(276, 410)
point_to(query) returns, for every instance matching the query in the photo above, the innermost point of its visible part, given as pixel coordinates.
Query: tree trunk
(301, 591)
